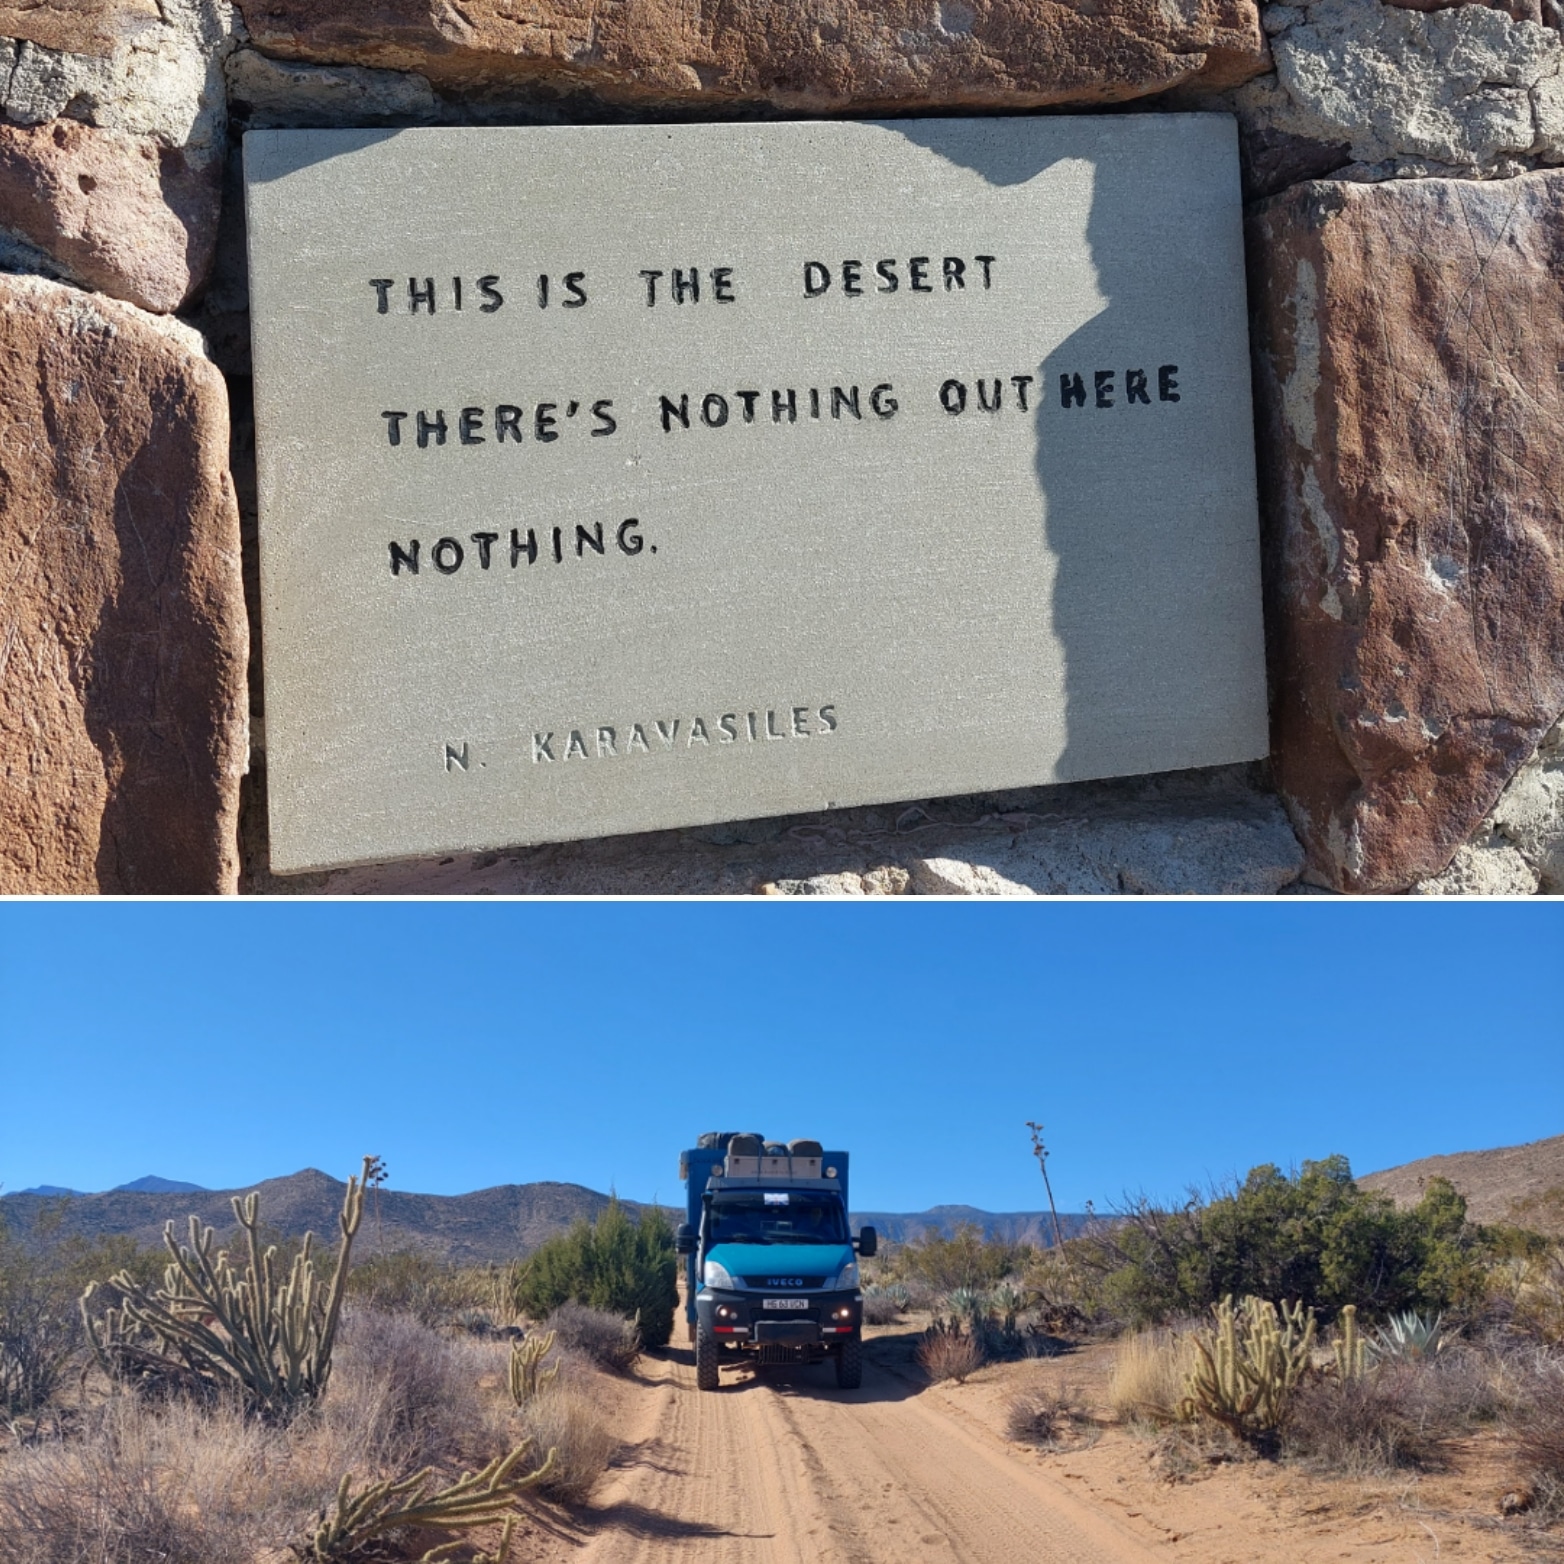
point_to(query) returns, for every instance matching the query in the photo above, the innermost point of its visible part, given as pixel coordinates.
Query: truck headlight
(846, 1277)
(715, 1274)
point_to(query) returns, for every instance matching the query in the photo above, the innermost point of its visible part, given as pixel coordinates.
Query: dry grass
(943, 1354)
(177, 1483)
(880, 1309)
(1539, 1435)
(1051, 1416)
(608, 1340)
(562, 1418)
(1149, 1370)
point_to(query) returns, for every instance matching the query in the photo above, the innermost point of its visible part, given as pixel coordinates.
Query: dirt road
(781, 1467)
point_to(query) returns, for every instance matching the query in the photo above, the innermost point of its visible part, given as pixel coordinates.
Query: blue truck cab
(771, 1268)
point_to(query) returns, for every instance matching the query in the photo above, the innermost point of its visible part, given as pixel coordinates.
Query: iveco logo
(784, 1281)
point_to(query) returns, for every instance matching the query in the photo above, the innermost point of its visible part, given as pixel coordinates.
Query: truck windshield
(750, 1218)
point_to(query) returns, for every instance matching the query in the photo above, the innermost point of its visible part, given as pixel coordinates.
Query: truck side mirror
(684, 1239)
(868, 1242)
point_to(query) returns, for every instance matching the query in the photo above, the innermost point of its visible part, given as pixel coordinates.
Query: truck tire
(705, 1360)
(849, 1363)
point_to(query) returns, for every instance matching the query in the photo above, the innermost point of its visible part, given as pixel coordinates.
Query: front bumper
(742, 1319)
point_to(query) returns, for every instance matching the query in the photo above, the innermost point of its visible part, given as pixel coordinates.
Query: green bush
(615, 1263)
(1311, 1235)
(964, 1260)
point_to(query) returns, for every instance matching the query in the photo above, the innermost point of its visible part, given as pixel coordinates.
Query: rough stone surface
(115, 212)
(1489, 868)
(856, 56)
(93, 27)
(264, 93)
(1407, 343)
(1374, 92)
(1212, 832)
(115, 132)
(1530, 813)
(122, 630)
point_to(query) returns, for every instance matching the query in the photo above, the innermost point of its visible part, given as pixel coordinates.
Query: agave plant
(1410, 1337)
(968, 1303)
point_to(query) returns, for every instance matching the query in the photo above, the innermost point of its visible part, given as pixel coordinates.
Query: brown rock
(851, 55)
(77, 26)
(123, 637)
(117, 212)
(1409, 354)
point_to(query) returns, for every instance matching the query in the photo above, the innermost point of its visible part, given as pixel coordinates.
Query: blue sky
(477, 1044)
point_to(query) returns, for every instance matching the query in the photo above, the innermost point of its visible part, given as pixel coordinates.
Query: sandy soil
(780, 1467)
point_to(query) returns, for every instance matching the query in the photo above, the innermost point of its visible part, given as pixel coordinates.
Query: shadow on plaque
(1089, 495)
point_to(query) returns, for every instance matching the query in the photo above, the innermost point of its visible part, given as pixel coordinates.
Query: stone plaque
(624, 477)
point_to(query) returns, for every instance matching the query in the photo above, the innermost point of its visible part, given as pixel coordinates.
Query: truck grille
(777, 1285)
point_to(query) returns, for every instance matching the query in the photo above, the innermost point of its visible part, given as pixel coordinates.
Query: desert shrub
(880, 1306)
(43, 1270)
(1149, 1372)
(561, 1418)
(408, 1282)
(1526, 1295)
(615, 1263)
(1312, 1236)
(947, 1352)
(1389, 1417)
(1539, 1433)
(417, 1389)
(606, 1339)
(176, 1484)
(964, 1260)
(1050, 1417)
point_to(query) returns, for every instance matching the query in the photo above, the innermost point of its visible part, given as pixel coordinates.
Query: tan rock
(1488, 868)
(123, 637)
(77, 26)
(851, 55)
(1408, 343)
(116, 212)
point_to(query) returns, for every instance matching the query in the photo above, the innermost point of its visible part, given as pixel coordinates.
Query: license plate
(786, 1303)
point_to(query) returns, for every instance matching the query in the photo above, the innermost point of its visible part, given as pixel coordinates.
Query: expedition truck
(770, 1270)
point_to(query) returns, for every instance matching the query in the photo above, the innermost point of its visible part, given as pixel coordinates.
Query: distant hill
(1494, 1182)
(1011, 1227)
(487, 1225)
(474, 1229)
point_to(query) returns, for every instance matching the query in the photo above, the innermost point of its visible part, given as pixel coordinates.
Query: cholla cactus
(476, 1499)
(527, 1375)
(1409, 1337)
(210, 1327)
(1349, 1345)
(1248, 1366)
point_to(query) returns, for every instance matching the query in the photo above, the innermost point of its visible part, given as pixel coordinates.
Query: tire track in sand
(786, 1469)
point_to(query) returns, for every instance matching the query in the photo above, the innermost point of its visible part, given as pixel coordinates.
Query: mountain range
(473, 1229)
(497, 1224)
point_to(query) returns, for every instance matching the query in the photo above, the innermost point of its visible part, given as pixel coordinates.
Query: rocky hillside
(1494, 1182)
(472, 1229)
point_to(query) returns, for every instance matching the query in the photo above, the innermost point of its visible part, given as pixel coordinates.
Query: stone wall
(1406, 249)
